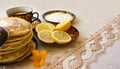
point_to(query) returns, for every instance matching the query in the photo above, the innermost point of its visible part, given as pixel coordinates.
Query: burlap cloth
(78, 54)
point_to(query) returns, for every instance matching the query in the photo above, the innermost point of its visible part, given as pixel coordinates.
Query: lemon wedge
(61, 37)
(44, 26)
(45, 36)
(63, 26)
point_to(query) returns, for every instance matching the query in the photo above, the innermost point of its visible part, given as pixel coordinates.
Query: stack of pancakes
(19, 43)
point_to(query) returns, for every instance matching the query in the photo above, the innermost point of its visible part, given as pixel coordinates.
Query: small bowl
(46, 16)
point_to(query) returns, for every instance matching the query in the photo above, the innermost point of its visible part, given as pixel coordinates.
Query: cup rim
(10, 11)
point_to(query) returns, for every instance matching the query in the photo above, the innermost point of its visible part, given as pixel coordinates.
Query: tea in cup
(23, 12)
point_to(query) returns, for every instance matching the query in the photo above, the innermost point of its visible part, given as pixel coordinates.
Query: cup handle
(36, 18)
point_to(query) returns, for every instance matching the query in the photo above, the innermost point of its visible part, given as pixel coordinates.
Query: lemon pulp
(61, 37)
(44, 26)
(45, 36)
(63, 26)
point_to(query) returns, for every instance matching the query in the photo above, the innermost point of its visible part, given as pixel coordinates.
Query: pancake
(19, 43)
(32, 46)
(16, 45)
(18, 38)
(14, 55)
(16, 26)
(12, 49)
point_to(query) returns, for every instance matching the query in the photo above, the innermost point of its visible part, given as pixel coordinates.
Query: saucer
(72, 31)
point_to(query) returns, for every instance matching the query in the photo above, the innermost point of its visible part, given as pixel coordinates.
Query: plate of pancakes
(20, 41)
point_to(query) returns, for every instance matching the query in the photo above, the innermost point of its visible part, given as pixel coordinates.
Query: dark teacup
(23, 12)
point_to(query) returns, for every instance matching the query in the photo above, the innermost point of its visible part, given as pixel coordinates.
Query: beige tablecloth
(91, 16)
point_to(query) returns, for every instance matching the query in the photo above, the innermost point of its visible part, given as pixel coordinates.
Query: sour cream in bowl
(57, 16)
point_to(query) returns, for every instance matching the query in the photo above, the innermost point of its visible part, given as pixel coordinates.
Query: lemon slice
(63, 26)
(61, 37)
(44, 26)
(51, 25)
(45, 36)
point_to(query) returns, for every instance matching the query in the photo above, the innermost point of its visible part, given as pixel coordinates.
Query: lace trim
(81, 57)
